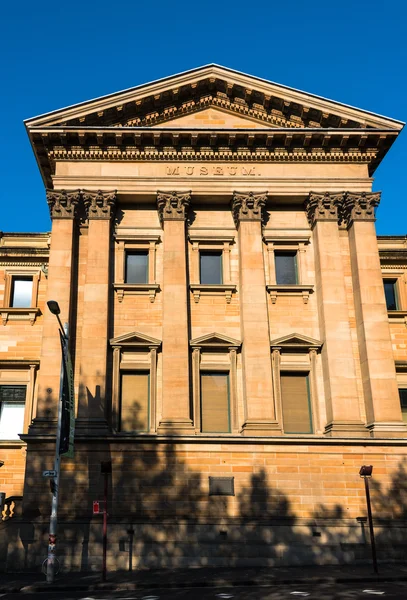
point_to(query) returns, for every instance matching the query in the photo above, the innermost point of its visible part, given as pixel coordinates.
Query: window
(12, 407)
(215, 410)
(21, 292)
(210, 264)
(137, 267)
(296, 406)
(134, 401)
(403, 402)
(390, 292)
(286, 268)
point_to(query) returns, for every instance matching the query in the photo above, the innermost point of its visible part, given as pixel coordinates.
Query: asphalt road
(389, 591)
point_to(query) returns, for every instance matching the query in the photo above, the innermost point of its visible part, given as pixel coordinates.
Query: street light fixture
(54, 481)
(366, 473)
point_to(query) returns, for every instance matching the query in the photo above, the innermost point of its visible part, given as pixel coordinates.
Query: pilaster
(342, 406)
(260, 415)
(92, 404)
(62, 205)
(377, 363)
(176, 412)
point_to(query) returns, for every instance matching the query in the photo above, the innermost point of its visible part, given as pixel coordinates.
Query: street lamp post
(366, 473)
(55, 310)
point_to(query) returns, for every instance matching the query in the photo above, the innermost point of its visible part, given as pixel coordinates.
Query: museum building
(238, 331)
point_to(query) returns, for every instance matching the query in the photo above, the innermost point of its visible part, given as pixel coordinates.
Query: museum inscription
(213, 170)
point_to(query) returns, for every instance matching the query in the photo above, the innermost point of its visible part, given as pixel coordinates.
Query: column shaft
(260, 416)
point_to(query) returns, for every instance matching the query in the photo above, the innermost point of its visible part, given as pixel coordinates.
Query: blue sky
(55, 55)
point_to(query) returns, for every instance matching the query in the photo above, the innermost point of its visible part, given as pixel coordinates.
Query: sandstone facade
(213, 248)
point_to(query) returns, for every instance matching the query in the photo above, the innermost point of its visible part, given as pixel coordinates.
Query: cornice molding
(173, 206)
(62, 204)
(247, 206)
(99, 204)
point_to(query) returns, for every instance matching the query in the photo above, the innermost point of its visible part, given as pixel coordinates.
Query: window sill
(397, 316)
(213, 289)
(136, 289)
(19, 314)
(290, 290)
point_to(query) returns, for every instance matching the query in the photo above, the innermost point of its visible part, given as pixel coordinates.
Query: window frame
(306, 374)
(211, 252)
(294, 253)
(215, 353)
(21, 373)
(134, 352)
(205, 241)
(206, 372)
(276, 242)
(136, 371)
(403, 387)
(26, 313)
(395, 281)
(127, 243)
(133, 252)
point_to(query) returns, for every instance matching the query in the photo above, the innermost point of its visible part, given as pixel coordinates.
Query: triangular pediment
(135, 339)
(213, 118)
(296, 341)
(162, 101)
(215, 340)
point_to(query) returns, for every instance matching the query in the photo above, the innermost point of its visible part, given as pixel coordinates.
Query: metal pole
(105, 529)
(370, 519)
(57, 467)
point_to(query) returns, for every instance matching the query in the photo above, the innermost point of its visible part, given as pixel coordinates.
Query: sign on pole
(49, 473)
(66, 445)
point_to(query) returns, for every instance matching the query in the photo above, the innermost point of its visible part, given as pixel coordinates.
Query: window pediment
(215, 340)
(296, 342)
(135, 340)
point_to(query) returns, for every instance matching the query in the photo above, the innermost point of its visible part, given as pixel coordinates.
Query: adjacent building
(237, 331)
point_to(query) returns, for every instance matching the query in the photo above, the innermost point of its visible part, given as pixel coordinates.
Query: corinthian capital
(247, 206)
(99, 205)
(360, 206)
(323, 207)
(62, 203)
(173, 206)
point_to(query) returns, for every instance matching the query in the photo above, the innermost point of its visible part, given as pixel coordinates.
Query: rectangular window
(12, 406)
(135, 402)
(137, 267)
(215, 410)
(391, 293)
(21, 292)
(211, 267)
(295, 399)
(286, 268)
(403, 402)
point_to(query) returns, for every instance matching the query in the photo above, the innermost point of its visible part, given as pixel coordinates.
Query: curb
(109, 587)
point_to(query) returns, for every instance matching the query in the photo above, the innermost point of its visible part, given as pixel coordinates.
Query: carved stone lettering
(213, 170)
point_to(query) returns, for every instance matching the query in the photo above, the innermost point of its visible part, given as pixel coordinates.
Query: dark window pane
(12, 393)
(21, 292)
(403, 402)
(296, 403)
(215, 414)
(211, 267)
(135, 405)
(286, 267)
(390, 293)
(137, 267)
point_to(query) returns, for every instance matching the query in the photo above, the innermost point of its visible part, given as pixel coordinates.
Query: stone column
(376, 354)
(341, 397)
(260, 415)
(176, 415)
(92, 402)
(62, 205)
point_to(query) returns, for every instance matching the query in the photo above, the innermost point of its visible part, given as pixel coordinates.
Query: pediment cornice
(296, 341)
(215, 340)
(136, 340)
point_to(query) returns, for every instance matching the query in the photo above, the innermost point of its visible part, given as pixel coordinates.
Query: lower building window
(215, 404)
(390, 293)
(135, 402)
(21, 292)
(137, 267)
(12, 407)
(211, 267)
(296, 405)
(403, 402)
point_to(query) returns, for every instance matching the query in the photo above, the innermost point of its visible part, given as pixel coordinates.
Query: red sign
(96, 507)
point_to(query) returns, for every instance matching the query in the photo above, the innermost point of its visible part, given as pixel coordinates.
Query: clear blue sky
(57, 54)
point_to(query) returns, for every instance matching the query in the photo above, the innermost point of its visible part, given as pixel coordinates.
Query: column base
(91, 426)
(260, 428)
(43, 425)
(346, 429)
(176, 426)
(387, 429)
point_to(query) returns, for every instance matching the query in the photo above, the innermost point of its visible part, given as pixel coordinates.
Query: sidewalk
(200, 577)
